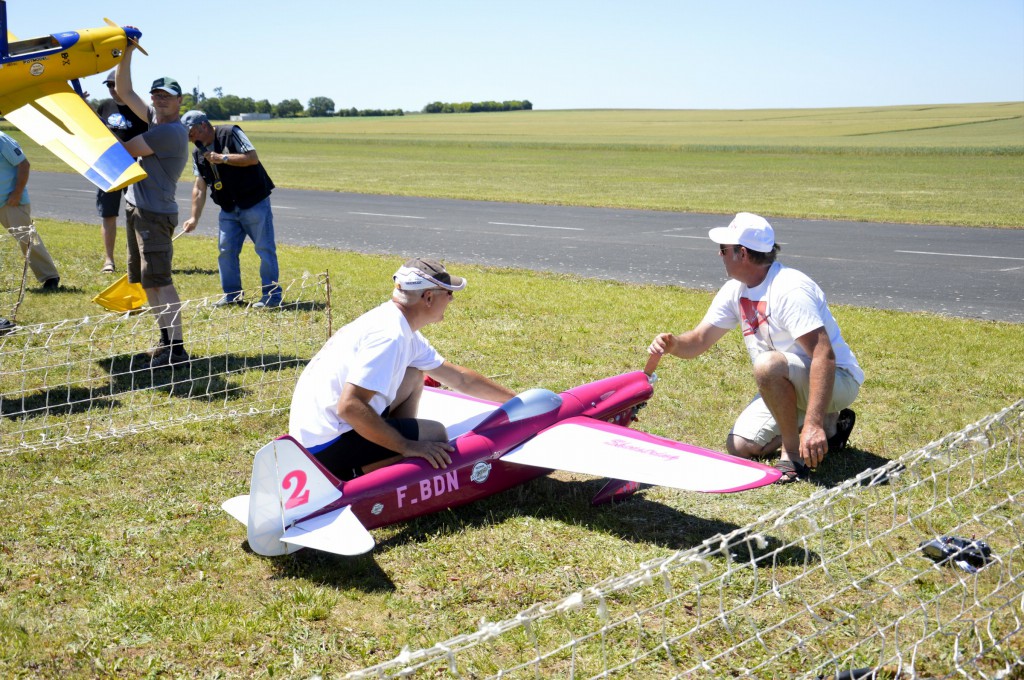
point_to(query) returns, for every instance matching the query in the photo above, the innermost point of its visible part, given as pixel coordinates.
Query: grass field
(118, 562)
(957, 164)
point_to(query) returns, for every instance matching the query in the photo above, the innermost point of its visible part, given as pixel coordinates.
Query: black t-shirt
(121, 120)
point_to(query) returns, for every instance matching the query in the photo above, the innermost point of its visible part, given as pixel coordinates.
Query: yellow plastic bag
(121, 296)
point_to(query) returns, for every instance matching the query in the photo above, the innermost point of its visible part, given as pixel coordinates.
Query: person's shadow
(210, 379)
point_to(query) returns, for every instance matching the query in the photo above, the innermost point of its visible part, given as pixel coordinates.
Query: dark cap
(169, 85)
(193, 118)
(109, 80)
(421, 273)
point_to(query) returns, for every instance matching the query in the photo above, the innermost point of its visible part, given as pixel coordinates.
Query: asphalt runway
(973, 273)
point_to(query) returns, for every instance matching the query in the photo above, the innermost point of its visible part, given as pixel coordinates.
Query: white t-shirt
(372, 352)
(780, 309)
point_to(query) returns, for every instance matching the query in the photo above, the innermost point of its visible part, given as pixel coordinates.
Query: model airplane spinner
(294, 502)
(36, 95)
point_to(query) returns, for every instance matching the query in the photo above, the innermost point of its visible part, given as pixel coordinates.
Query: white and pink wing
(593, 447)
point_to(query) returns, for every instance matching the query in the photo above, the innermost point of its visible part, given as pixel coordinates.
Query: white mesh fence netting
(79, 380)
(14, 269)
(835, 586)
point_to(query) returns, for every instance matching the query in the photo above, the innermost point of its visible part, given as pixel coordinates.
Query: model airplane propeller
(37, 96)
(294, 502)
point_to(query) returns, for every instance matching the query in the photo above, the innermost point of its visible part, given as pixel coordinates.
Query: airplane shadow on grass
(635, 519)
(202, 379)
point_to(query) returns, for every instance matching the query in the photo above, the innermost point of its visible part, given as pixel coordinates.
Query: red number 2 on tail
(300, 496)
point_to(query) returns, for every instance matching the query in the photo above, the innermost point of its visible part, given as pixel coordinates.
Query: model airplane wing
(54, 116)
(458, 412)
(593, 447)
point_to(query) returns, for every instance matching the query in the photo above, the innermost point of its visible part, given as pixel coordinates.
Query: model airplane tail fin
(287, 485)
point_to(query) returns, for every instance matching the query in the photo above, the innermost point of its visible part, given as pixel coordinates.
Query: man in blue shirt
(16, 212)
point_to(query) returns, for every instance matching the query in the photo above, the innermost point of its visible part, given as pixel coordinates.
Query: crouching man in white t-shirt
(806, 373)
(355, 404)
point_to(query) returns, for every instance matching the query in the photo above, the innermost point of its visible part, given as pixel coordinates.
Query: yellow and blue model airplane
(41, 95)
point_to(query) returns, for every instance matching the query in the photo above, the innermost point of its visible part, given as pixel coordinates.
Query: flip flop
(792, 471)
(108, 268)
(844, 426)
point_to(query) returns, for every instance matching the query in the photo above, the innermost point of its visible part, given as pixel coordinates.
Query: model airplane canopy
(35, 95)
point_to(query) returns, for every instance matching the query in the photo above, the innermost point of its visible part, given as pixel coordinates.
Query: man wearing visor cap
(355, 404)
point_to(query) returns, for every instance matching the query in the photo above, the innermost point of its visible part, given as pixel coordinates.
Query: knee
(432, 431)
(770, 366)
(741, 447)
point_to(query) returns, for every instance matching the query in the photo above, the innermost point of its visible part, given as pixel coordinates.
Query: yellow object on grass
(121, 296)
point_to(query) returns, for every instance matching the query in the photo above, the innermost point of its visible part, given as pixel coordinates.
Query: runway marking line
(984, 257)
(534, 226)
(405, 217)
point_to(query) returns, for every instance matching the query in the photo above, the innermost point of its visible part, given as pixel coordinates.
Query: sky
(569, 54)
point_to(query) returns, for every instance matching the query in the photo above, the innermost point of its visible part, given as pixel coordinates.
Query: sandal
(108, 268)
(792, 471)
(844, 426)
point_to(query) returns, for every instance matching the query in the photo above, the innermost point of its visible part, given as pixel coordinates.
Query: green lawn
(118, 562)
(959, 164)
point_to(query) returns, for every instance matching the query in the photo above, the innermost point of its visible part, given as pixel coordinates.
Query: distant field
(957, 164)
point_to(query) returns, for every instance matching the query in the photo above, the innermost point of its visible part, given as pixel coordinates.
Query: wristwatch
(224, 158)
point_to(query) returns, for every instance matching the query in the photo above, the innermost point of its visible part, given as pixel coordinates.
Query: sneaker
(227, 302)
(844, 426)
(267, 302)
(51, 285)
(6, 326)
(169, 357)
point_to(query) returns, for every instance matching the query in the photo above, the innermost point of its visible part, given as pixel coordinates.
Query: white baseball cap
(747, 230)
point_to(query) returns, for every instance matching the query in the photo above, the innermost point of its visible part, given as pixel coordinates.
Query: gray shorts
(757, 424)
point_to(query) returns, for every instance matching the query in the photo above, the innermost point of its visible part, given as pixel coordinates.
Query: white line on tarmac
(406, 217)
(81, 191)
(985, 257)
(534, 226)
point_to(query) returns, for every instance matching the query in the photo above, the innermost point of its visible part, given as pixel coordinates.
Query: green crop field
(959, 164)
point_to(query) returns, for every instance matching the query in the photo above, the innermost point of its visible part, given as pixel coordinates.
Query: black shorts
(108, 203)
(345, 456)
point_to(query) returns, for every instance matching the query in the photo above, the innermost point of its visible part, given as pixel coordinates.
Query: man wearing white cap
(355, 404)
(806, 374)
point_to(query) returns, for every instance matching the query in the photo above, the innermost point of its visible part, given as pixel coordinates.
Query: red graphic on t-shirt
(754, 314)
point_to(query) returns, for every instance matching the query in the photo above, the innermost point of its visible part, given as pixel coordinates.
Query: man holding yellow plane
(151, 211)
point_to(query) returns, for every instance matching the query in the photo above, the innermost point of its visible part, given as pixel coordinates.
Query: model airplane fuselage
(294, 502)
(35, 95)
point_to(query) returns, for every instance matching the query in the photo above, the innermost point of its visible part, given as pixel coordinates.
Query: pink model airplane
(294, 502)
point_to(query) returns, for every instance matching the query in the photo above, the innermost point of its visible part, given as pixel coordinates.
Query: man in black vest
(225, 161)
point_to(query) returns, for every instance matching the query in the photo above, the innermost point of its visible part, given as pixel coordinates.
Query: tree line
(222, 106)
(475, 107)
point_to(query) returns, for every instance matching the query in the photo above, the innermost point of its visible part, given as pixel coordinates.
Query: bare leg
(744, 448)
(109, 238)
(771, 372)
(166, 305)
(407, 399)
